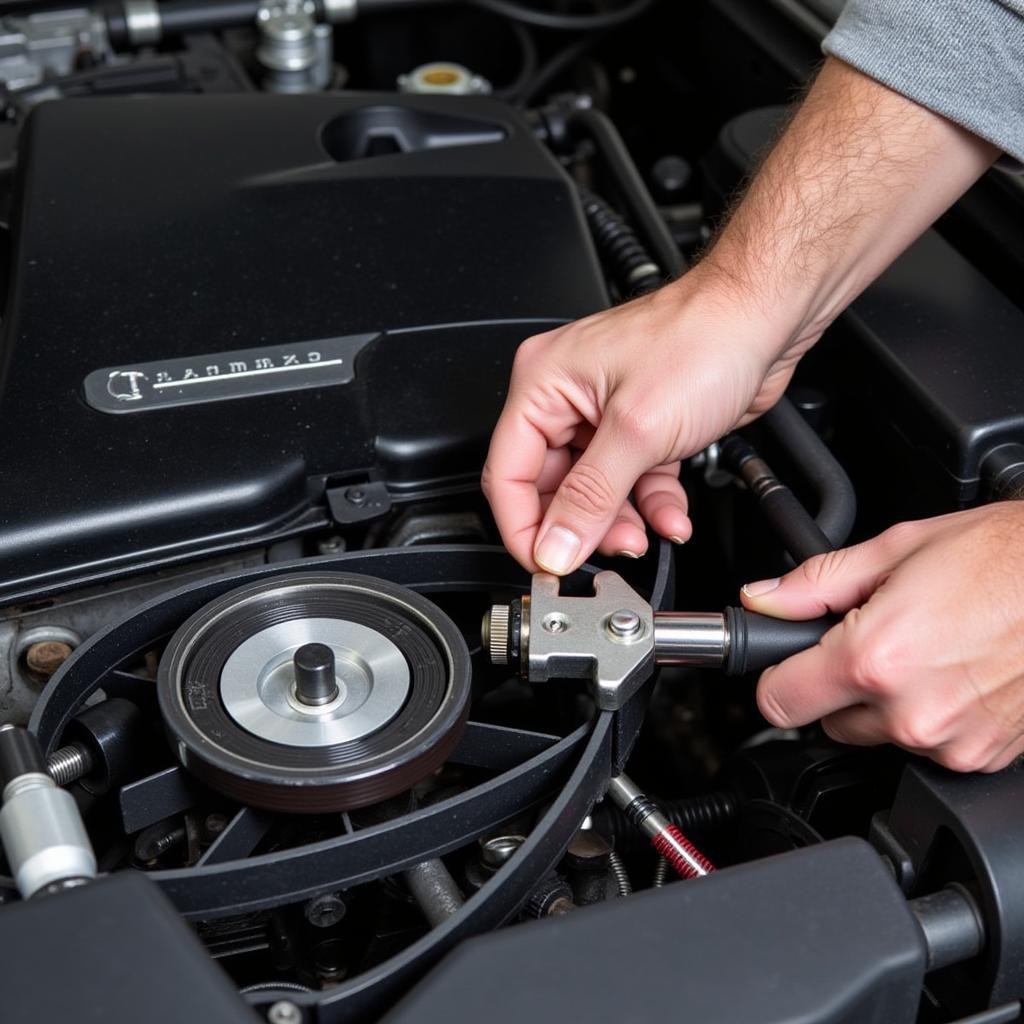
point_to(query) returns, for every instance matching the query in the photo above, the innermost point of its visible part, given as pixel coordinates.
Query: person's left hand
(930, 655)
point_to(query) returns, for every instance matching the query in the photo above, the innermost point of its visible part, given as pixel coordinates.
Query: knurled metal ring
(497, 629)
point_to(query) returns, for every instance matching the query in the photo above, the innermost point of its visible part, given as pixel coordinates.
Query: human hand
(930, 655)
(608, 405)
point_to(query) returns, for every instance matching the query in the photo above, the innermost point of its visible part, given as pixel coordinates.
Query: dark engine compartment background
(166, 216)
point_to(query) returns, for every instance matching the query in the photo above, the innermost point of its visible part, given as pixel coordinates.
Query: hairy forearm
(857, 175)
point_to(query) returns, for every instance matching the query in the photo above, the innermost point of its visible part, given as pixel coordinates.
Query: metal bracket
(358, 503)
(607, 638)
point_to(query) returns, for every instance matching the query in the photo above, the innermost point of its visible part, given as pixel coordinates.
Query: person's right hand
(607, 406)
(858, 174)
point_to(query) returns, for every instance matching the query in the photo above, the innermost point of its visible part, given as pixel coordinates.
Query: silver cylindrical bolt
(624, 623)
(316, 680)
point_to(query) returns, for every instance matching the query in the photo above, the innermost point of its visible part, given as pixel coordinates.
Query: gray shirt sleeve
(963, 59)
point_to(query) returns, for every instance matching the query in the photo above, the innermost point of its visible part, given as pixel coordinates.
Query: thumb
(587, 501)
(832, 582)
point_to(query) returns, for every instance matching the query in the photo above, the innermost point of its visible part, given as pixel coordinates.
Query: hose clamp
(142, 18)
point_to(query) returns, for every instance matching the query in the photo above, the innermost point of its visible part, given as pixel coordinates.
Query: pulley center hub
(259, 690)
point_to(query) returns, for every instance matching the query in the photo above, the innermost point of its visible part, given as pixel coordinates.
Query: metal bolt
(284, 1012)
(498, 849)
(45, 657)
(624, 623)
(215, 824)
(555, 623)
(68, 764)
(316, 683)
(325, 911)
(560, 907)
(356, 495)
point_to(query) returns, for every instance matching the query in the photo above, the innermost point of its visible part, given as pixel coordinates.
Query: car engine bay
(266, 267)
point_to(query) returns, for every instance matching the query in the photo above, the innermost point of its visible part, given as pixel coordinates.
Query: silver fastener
(284, 1012)
(555, 623)
(498, 849)
(624, 623)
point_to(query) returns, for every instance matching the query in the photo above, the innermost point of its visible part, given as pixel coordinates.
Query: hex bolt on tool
(615, 639)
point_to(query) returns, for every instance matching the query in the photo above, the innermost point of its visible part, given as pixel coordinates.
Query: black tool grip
(757, 641)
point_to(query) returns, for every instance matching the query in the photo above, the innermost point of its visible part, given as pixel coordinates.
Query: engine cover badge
(223, 375)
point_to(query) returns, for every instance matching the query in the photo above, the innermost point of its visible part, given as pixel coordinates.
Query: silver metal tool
(614, 639)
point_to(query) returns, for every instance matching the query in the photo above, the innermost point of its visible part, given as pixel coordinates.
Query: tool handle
(757, 641)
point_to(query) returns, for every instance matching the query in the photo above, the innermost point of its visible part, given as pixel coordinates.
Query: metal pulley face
(315, 692)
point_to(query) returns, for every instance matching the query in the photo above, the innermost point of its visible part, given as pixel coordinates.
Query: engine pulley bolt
(624, 624)
(666, 839)
(45, 657)
(284, 1012)
(316, 683)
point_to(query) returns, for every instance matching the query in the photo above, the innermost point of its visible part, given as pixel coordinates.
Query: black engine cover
(352, 272)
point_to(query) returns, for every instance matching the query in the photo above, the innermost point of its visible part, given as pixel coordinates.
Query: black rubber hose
(700, 816)
(180, 16)
(799, 534)
(566, 22)
(625, 260)
(837, 500)
(525, 14)
(528, 61)
(556, 65)
(633, 193)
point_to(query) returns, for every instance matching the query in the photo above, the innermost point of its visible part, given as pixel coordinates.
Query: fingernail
(627, 554)
(677, 540)
(557, 550)
(761, 587)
